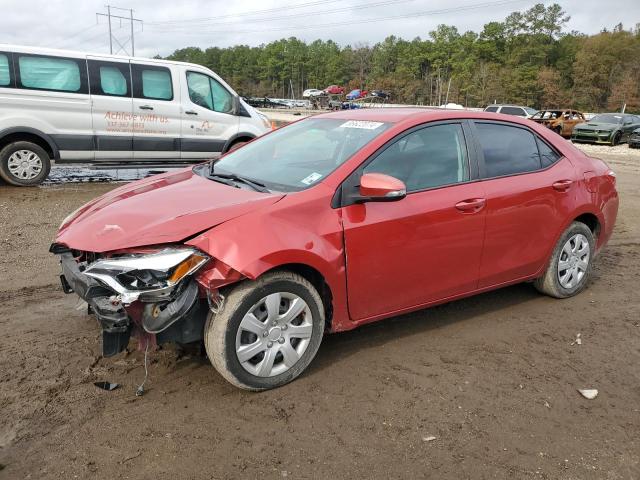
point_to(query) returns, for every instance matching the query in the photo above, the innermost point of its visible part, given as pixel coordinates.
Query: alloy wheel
(574, 261)
(274, 334)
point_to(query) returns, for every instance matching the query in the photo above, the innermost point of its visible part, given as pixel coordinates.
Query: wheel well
(317, 280)
(27, 137)
(591, 221)
(238, 140)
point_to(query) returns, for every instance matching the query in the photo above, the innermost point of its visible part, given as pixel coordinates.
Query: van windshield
(300, 155)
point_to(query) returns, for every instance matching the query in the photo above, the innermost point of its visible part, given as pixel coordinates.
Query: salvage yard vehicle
(560, 121)
(610, 128)
(516, 110)
(111, 110)
(392, 210)
(634, 139)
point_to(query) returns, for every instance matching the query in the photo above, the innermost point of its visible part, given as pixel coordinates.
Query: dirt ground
(493, 378)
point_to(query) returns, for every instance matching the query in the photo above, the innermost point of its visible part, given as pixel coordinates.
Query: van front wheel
(24, 164)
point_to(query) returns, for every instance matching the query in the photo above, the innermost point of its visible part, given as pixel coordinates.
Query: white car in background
(112, 110)
(311, 92)
(516, 110)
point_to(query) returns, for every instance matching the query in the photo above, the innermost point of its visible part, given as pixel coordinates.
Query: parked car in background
(634, 139)
(76, 107)
(380, 94)
(516, 110)
(334, 90)
(361, 214)
(560, 121)
(610, 128)
(311, 92)
(356, 94)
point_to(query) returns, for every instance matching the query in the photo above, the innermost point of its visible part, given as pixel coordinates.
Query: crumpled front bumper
(180, 319)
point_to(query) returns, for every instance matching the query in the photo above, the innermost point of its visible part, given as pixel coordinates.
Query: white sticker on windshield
(314, 177)
(361, 124)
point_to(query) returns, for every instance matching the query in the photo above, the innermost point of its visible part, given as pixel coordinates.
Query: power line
(385, 3)
(245, 14)
(363, 21)
(66, 39)
(130, 19)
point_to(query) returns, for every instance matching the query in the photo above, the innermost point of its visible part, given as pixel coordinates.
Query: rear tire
(570, 266)
(24, 164)
(258, 345)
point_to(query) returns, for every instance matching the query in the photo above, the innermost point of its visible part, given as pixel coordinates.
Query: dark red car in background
(333, 222)
(334, 90)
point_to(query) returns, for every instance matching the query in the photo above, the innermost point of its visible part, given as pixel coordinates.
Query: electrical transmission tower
(112, 37)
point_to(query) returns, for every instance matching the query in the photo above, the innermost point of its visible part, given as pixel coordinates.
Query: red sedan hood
(161, 209)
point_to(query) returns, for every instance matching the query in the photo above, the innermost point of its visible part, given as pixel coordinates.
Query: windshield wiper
(258, 187)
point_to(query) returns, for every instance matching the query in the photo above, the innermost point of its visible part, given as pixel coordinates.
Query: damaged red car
(333, 222)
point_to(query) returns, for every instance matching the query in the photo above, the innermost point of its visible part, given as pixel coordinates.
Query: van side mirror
(378, 187)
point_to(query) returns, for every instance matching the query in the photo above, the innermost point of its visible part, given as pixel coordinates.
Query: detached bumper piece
(180, 319)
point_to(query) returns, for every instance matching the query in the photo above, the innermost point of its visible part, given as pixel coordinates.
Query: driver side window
(207, 93)
(427, 158)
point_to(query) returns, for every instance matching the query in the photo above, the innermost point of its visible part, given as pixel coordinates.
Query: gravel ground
(493, 378)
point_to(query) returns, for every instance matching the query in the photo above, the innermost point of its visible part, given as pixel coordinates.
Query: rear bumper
(179, 319)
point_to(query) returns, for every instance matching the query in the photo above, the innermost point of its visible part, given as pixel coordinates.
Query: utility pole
(113, 38)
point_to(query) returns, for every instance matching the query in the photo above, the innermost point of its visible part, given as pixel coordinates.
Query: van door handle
(562, 185)
(145, 107)
(471, 205)
(191, 112)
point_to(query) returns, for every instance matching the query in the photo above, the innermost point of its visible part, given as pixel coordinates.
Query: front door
(111, 108)
(208, 118)
(156, 111)
(425, 247)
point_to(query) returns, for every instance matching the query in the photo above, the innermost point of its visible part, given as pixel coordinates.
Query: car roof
(417, 115)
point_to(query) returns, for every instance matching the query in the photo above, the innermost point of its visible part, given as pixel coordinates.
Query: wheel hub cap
(574, 261)
(24, 164)
(274, 334)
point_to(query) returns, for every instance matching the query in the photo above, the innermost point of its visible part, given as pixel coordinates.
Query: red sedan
(333, 222)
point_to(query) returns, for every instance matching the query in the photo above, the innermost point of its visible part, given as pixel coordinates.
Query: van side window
(52, 73)
(152, 82)
(109, 78)
(5, 74)
(208, 93)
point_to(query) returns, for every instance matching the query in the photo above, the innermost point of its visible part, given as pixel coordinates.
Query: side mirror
(378, 187)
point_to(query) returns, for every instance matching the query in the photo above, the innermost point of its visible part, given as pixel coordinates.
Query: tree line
(526, 59)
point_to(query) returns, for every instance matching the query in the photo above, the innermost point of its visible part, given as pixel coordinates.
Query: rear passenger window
(507, 150)
(152, 82)
(51, 73)
(427, 158)
(513, 111)
(110, 78)
(491, 109)
(548, 156)
(5, 77)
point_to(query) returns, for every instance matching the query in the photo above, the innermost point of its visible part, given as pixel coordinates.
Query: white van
(112, 110)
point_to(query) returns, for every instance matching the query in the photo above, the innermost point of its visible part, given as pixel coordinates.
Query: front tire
(617, 137)
(24, 164)
(570, 266)
(268, 331)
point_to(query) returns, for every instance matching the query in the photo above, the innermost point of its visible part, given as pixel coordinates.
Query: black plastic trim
(235, 137)
(202, 145)
(33, 131)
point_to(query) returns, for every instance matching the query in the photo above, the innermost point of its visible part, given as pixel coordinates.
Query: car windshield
(607, 118)
(548, 114)
(300, 155)
(530, 111)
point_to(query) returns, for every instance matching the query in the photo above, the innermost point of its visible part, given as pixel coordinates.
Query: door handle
(191, 112)
(562, 185)
(145, 107)
(471, 205)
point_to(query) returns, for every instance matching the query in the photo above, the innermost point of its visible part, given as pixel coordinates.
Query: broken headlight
(152, 274)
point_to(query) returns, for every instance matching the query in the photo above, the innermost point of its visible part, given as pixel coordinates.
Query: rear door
(111, 108)
(208, 115)
(156, 110)
(528, 187)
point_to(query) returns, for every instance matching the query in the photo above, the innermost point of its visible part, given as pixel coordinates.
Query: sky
(170, 24)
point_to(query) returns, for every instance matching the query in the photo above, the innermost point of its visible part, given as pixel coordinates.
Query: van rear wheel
(24, 164)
